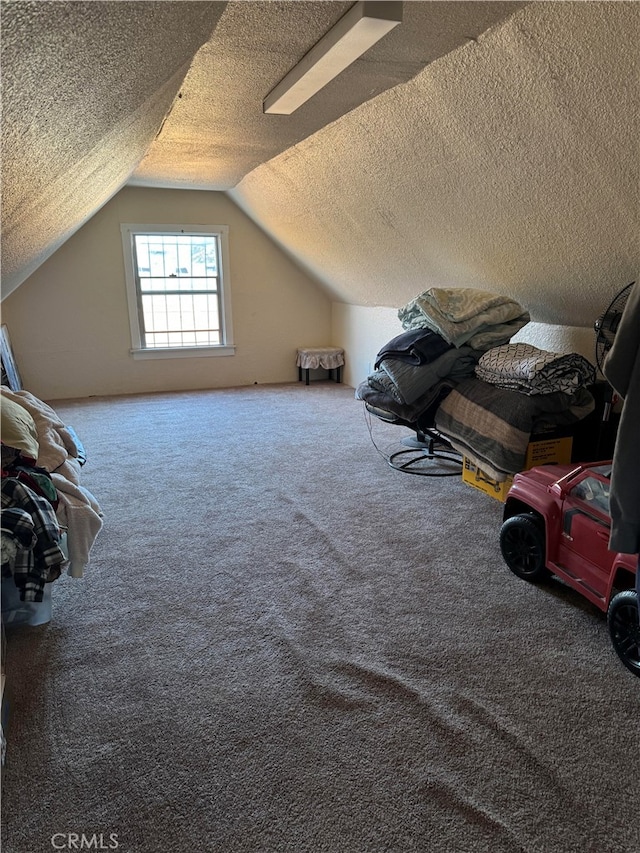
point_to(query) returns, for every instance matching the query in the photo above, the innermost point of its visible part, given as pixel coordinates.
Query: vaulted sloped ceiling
(478, 144)
(511, 165)
(170, 94)
(85, 88)
(217, 133)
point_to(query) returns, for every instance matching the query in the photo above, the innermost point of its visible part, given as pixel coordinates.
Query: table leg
(306, 382)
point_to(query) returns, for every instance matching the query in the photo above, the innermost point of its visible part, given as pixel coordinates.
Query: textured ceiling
(85, 88)
(511, 165)
(170, 94)
(217, 133)
(478, 144)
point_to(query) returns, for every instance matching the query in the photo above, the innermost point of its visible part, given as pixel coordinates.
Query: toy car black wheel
(624, 628)
(522, 543)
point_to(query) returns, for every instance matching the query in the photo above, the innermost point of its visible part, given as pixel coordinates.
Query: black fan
(606, 325)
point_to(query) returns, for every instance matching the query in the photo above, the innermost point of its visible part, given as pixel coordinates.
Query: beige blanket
(464, 315)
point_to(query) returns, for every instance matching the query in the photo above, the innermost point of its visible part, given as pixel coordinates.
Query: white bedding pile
(78, 510)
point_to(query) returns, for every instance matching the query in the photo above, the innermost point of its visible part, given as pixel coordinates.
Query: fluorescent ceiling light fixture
(362, 26)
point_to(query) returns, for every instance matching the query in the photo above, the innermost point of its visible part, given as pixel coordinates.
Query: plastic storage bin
(16, 612)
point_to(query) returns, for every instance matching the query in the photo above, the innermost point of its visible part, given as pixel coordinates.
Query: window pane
(196, 258)
(158, 285)
(212, 257)
(179, 288)
(206, 311)
(178, 314)
(187, 317)
(155, 314)
(156, 258)
(142, 256)
(159, 339)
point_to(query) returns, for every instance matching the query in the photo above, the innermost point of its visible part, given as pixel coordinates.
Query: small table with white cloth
(312, 358)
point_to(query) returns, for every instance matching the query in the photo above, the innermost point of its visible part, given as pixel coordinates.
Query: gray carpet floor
(283, 645)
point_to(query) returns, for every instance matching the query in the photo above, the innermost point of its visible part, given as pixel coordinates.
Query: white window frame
(138, 351)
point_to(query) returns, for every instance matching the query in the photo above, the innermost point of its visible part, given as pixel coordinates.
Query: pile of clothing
(42, 497)
(446, 331)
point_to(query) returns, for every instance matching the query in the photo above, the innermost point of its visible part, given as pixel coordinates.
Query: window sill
(182, 352)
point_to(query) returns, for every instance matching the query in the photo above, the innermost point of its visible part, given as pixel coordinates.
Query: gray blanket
(413, 381)
(493, 426)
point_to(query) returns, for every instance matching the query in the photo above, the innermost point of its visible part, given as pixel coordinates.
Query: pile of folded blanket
(530, 370)
(446, 332)
(518, 391)
(464, 315)
(454, 368)
(413, 373)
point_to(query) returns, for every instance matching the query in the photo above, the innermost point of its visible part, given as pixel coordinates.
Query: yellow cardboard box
(479, 479)
(542, 452)
(549, 450)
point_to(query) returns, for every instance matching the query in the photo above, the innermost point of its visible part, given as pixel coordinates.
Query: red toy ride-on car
(556, 522)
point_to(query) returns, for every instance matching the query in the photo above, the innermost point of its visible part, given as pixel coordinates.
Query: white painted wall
(362, 332)
(560, 339)
(69, 322)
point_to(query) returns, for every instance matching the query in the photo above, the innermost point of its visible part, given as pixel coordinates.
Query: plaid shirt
(36, 533)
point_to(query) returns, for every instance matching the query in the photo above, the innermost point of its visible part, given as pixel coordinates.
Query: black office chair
(429, 453)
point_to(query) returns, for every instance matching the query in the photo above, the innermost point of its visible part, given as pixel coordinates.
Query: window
(594, 491)
(178, 290)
